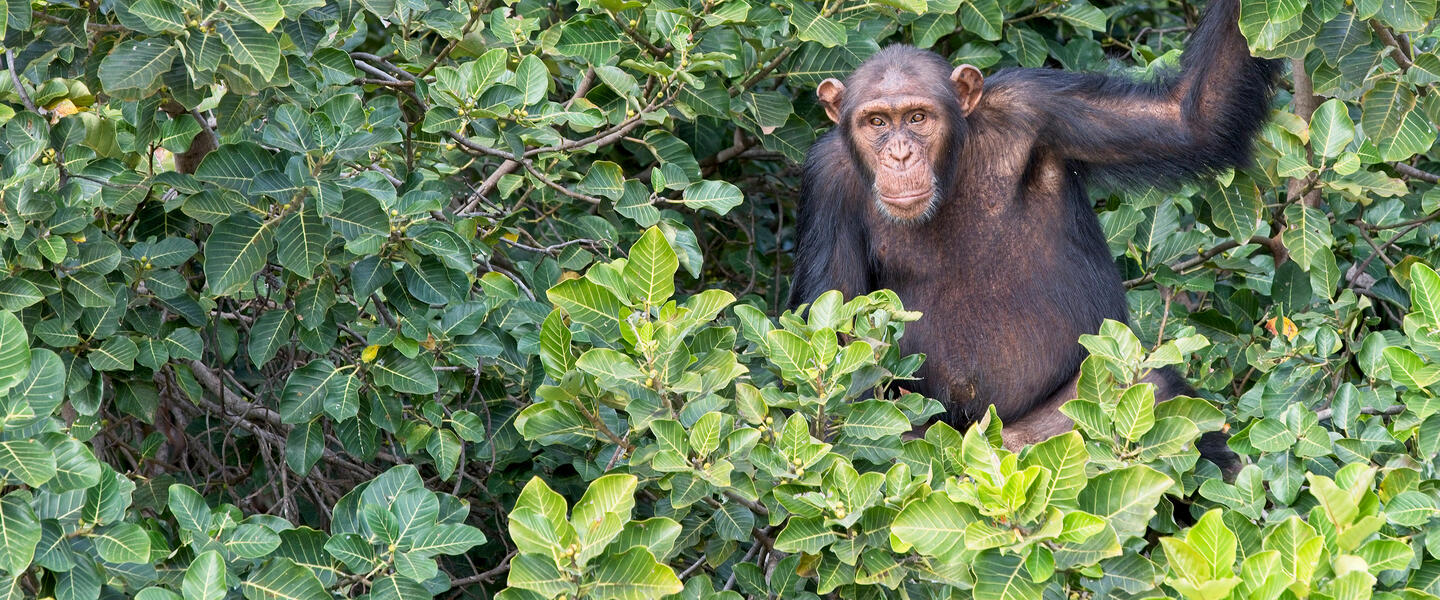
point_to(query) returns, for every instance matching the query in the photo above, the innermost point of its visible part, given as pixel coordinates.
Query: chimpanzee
(966, 196)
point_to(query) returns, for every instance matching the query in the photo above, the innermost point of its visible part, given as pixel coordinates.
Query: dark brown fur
(1009, 265)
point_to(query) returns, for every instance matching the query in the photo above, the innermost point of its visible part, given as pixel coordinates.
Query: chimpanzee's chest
(1004, 302)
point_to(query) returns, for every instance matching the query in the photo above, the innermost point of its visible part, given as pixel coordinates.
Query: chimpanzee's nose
(901, 155)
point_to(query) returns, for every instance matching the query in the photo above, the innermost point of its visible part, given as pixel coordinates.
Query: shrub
(471, 299)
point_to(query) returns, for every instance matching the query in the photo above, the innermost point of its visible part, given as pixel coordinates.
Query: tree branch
(20, 88)
(1396, 50)
(1415, 173)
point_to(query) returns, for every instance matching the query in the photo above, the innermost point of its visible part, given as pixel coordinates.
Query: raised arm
(1204, 118)
(832, 252)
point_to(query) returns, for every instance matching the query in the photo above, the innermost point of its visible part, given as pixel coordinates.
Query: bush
(406, 299)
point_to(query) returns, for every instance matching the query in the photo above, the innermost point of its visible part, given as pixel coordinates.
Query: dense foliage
(407, 298)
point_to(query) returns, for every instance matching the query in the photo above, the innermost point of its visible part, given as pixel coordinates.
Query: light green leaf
(265, 13)
(633, 575)
(205, 577)
(1331, 129)
(650, 273)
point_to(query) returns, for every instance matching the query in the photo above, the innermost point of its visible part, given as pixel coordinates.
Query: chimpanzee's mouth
(907, 200)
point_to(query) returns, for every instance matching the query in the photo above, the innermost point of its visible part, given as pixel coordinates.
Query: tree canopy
(470, 299)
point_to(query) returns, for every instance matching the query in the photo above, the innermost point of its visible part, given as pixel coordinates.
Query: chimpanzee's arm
(833, 248)
(1202, 119)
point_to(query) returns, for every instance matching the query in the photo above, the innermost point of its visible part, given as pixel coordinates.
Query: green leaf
(1407, 369)
(27, 460)
(190, 510)
(650, 273)
(591, 305)
(875, 419)
(308, 390)
(19, 532)
(603, 179)
(251, 540)
(1390, 121)
(1135, 414)
(1126, 497)
(1299, 548)
(449, 539)
(555, 352)
(1425, 293)
(404, 375)
(613, 368)
(135, 66)
(159, 15)
(1064, 457)
(716, 196)
(205, 577)
(1003, 577)
(805, 535)
(633, 575)
(593, 40)
(14, 351)
(283, 579)
(532, 78)
(123, 543)
(538, 573)
(1083, 16)
(396, 587)
(265, 13)
(300, 241)
(268, 334)
(235, 252)
(251, 45)
(304, 446)
(1331, 129)
(810, 26)
(17, 293)
(934, 526)
(609, 495)
(983, 17)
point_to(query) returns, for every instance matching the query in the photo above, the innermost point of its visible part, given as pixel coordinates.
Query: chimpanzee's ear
(968, 82)
(831, 93)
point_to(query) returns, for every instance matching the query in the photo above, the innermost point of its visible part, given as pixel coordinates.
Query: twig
(600, 139)
(1416, 221)
(384, 312)
(19, 88)
(203, 122)
(97, 27)
(487, 186)
(583, 87)
(475, 14)
(758, 508)
(1199, 260)
(487, 576)
(530, 168)
(692, 568)
(654, 50)
(1410, 171)
(1396, 50)
(551, 249)
(764, 71)
(1324, 414)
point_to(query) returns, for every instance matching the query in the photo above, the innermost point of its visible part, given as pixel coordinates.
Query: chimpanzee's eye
(877, 121)
(917, 117)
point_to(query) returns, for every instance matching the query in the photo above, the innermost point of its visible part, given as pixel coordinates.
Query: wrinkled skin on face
(902, 132)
